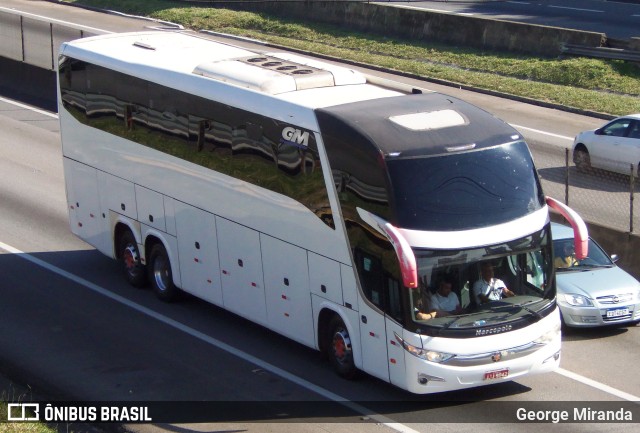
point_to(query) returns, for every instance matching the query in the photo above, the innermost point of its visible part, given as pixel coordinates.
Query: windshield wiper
(455, 319)
(532, 312)
(592, 266)
(521, 306)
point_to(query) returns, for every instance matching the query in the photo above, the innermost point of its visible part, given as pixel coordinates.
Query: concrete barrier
(35, 40)
(417, 24)
(625, 245)
(31, 84)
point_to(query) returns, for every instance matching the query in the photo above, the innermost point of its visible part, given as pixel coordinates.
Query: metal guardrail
(602, 52)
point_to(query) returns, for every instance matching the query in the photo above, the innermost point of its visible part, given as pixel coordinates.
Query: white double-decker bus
(314, 200)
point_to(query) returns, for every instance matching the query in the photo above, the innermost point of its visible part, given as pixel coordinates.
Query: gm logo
(295, 136)
(23, 412)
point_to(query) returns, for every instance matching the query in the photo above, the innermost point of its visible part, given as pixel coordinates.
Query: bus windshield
(465, 190)
(483, 287)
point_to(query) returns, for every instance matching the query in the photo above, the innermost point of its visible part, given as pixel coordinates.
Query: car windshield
(564, 257)
(456, 287)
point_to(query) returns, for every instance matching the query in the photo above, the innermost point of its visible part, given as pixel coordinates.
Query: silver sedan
(613, 147)
(592, 291)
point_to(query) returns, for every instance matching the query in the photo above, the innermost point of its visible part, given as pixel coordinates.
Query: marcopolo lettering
(496, 330)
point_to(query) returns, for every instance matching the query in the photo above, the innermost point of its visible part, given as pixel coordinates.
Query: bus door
(373, 334)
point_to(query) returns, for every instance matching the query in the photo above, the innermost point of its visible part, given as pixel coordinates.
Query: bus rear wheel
(134, 270)
(339, 349)
(160, 274)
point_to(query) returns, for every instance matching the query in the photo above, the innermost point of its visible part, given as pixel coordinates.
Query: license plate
(496, 374)
(617, 312)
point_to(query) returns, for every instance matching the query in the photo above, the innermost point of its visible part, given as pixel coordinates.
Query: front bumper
(587, 317)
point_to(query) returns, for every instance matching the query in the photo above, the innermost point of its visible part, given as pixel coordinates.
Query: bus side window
(73, 87)
(379, 287)
(395, 300)
(371, 276)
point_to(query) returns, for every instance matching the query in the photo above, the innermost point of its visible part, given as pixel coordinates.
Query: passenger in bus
(444, 301)
(488, 288)
(568, 258)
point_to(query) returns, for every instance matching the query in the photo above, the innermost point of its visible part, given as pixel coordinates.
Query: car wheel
(582, 160)
(129, 255)
(160, 274)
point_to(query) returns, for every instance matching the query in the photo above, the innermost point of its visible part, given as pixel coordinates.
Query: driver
(488, 288)
(568, 258)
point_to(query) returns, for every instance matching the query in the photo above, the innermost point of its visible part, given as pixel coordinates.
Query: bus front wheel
(340, 350)
(160, 274)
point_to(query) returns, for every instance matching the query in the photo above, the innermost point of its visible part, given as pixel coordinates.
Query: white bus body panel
(83, 200)
(119, 195)
(324, 278)
(373, 338)
(241, 268)
(198, 252)
(286, 280)
(150, 207)
(349, 287)
(396, 354)
(170, 215)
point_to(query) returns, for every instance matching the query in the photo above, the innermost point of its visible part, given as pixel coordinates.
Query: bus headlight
(578, 300)
(427, 355)
(548, 336)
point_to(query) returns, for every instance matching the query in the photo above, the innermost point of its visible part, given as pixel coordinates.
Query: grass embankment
(605, 86)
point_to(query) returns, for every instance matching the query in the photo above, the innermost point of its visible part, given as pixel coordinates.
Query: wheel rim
(341, 346)
(131, 258)
(582, 159)
(161, 273)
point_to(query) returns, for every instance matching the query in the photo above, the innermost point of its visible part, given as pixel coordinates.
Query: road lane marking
(551, 134)
(575, 9)
(212, 341)
(28, 107)
(439, 11)
(263, 364)
(601, 386)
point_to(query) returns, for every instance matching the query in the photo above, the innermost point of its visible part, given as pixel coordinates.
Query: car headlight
(578, 300)
(427, 355)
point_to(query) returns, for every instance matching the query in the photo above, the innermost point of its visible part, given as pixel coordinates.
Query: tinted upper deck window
(464, 191)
